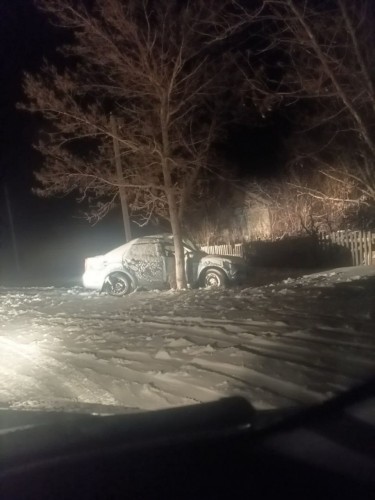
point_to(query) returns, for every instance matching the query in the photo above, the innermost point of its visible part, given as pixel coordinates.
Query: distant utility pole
(12, 230)
(120, 179)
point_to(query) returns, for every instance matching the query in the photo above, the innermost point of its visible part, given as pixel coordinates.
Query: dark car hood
(223, 258)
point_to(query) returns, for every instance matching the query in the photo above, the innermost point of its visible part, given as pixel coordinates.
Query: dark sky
(26, 38)
(50, 237)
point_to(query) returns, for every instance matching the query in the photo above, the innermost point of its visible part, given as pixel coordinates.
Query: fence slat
(371, 260)
(235, 250)
(361, 248)
(355, 247)
(368, 248)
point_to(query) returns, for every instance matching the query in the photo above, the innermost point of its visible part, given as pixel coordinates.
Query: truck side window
(168, 250)
(142, 250)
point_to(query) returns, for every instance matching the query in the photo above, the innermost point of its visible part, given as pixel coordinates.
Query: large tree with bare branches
(325, 76)
(161, 66)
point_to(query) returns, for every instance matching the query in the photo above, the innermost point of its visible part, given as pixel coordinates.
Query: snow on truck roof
(119, 251)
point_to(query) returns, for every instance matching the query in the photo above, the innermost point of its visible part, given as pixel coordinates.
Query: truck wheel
(214, 278)
(117, 284)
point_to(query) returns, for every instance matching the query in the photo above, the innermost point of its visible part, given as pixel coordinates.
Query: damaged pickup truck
(149, 262)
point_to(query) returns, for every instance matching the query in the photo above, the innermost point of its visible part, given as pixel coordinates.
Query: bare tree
(321, 70)
(303, 201)
(158, 65)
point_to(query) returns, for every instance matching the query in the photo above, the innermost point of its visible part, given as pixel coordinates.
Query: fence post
(361, 248)
(355, 246)
(368, 248)
(347, 244)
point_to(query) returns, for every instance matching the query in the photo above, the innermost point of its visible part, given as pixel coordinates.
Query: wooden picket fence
(236, 249)
(361, 245)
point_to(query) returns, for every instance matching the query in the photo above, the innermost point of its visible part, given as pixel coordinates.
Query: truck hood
(220, 259)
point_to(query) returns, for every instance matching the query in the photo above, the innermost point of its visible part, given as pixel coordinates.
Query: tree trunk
(171, 198)
(120, 180)
(177, 239)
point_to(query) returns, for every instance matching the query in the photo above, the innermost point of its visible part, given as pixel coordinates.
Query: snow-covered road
(295, 342)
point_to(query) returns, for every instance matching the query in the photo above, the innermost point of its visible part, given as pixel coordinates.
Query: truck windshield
(190, 245)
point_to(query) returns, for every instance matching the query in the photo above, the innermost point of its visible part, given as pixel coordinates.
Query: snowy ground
(294, 342)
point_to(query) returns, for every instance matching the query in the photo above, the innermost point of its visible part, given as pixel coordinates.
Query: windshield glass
(162, 120)
(190, 245)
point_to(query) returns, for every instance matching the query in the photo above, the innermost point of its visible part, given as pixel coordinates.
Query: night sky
(51, 238)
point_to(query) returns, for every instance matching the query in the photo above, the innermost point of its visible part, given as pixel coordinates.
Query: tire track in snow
(287, 389)
(285, 348)
(196, 386)
(177, 361)
(196, 381)
(44, 375)
(166, 383)
(257, 349)
(261, 346)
